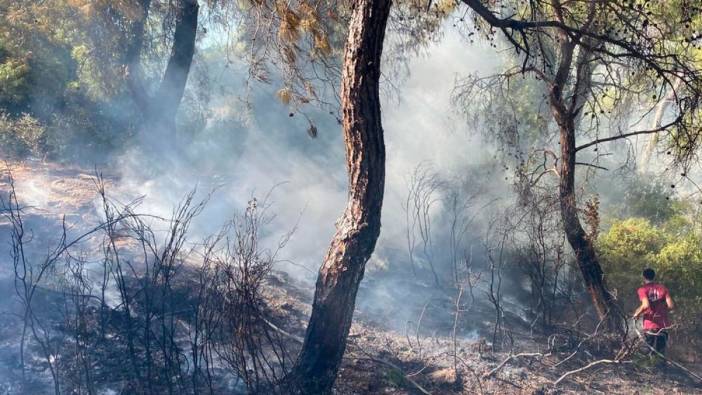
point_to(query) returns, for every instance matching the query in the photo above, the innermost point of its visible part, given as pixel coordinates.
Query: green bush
(638, 197)
(680, 262)
(21, 137)
(13, 80)
(673, 249)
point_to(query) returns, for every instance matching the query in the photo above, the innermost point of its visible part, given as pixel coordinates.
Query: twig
(688, 371)
(392, 365)
(419, 325)
(297, 339)
(511, 357)
(577, 348)
(586, 367)
(473, 372)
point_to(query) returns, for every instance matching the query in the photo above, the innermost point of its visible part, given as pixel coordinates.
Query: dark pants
(657, 340)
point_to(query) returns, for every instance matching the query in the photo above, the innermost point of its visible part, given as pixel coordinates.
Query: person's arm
(669, 301)
(644, 304)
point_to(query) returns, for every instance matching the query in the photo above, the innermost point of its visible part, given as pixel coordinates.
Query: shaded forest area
(504, 259)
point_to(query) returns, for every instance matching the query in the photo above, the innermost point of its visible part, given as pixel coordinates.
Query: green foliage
(632, 244)
(628, 247)
(13, 80)
(62, 62)
(35, 62)
(636, 196)
(632, 238)
(509, 111)
(396, 378)
(680, 261)
(20, 137)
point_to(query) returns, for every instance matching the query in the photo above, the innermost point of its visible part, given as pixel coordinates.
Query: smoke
(251, 144)
(236, 141)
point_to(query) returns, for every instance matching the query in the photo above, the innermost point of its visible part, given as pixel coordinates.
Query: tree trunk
(170, 92)
(566, 112)
(585, 255)
(661, 109)
(132, 56)
(358, 229)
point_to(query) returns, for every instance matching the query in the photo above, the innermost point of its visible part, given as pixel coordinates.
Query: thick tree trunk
(359, 227)
(132, 56)
(585, 255)
(170, 92)
(566, 112)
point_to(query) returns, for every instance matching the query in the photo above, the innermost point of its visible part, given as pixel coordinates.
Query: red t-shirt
(656, 316)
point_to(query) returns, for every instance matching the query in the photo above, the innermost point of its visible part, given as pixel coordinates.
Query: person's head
(649, 274)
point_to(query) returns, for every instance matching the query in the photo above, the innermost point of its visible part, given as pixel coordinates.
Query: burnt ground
(385, 361)
(401, 341)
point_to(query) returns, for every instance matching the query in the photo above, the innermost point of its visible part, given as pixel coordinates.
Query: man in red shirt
(655, 304)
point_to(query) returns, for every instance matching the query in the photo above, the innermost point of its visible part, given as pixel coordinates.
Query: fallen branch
(297, 339)
(679, 366)
(586, 367)
(473, 372)
(392, 365)
(583, 341)
(397, 368)
(511, 357)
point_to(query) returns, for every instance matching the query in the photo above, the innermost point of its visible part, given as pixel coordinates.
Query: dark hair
(649, 274)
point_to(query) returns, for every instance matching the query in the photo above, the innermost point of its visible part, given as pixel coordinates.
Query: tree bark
(359, 227)
(585, 255)
(566, 113)
(160, 109)
(170, 92)
(132, 56)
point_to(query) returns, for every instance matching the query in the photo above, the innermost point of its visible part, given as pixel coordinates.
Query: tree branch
(591, 165)
(576, 34)
(511, 357)
(626, 135)
(588, 366)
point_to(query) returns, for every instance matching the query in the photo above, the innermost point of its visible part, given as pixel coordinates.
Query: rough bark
(566, 113)
(586, 257)
(359, 227)
(160, 109)
(170, 92)
(132, 56)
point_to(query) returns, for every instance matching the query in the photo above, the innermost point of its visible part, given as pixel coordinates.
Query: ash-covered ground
(407, 337)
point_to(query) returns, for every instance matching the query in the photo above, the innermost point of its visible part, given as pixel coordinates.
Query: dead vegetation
(157, 312)
(152, 313)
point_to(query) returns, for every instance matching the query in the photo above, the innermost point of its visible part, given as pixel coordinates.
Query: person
(656, 302)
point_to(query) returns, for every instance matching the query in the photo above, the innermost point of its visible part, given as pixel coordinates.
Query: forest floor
(379, 360)
(387, 354)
